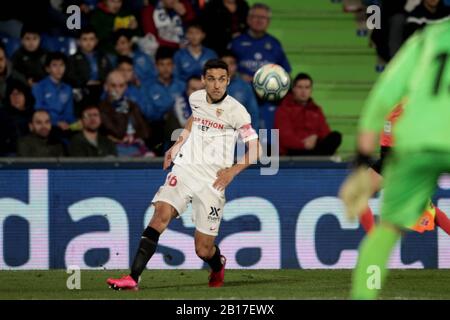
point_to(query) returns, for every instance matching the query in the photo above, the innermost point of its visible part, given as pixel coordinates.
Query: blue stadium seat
(66, 45)
(10, 44)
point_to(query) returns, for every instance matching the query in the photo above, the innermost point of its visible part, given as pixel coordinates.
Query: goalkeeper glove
(356, 190)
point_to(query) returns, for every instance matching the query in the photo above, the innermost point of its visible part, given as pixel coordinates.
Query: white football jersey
(215, 129)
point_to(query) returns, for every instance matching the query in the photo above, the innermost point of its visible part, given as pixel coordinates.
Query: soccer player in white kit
(203, 158)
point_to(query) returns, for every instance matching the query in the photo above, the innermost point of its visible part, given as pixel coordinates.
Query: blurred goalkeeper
(420, 71)
(432, 216)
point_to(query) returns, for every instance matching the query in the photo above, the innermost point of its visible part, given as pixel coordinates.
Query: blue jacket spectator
(189, 61)
(53, 95)
(256, 47)
(161, 97)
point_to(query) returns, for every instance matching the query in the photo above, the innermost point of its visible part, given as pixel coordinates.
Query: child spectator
(143, 64)
(121, 118)
(15, 116)
(135, 90)
(241, 90)
(89, 142)
(109, 17)
(40, 142)
(88, 67)
(165, 21)
(161, 96)
(54, 95)
(189, 61)
(302, 124)
(29, 59)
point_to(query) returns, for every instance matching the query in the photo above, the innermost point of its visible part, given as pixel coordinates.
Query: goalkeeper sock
(442, 220)
(147, 247)
(374, 253)
(215, 262)
(367, 220)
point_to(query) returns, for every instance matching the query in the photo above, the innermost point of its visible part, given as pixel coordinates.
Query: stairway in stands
(321, 39)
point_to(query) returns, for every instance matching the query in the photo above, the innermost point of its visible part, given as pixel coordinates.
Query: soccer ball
(271, 82)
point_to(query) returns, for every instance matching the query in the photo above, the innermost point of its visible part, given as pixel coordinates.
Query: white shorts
(181, 188)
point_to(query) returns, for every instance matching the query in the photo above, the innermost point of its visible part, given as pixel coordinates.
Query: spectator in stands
(241, 90)
(88, 67)
(121, 118)
(223, 20)
(109, 17)
(89, 142)
(7, 73)
(165, 20)
(161, 96)
(302, 125)
(256, 47)
(54, 95)
(29, 59)
(15, 116)
(429, 11)
(143, 64)
(135, 90)
(40, 142)
(189, 61)
(182, 109)
(389, 38)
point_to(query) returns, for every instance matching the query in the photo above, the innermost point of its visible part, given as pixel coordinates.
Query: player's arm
(251, 156)
(172, 152)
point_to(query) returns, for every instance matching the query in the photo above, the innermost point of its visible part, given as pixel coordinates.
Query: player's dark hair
(164, 53)
(55, 56)
(303, 76)
(215, 64)
(124, 59)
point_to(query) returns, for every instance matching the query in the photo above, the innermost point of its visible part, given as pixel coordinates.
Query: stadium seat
(11, 45)
(66, 45)
(312, 32)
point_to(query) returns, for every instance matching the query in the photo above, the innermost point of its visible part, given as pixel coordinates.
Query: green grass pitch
(239, 284)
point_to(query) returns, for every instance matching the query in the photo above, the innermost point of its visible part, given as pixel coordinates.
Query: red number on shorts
(173, 181)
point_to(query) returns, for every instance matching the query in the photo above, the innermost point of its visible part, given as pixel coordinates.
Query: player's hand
(355, 192)
(310, 142)
(224, 178)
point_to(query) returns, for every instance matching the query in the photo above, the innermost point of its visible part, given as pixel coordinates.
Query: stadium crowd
(119, 85)
(399, 20)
